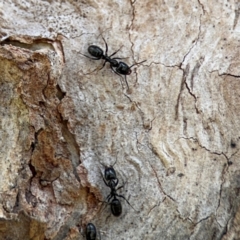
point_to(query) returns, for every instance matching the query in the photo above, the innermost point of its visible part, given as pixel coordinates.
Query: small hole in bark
(60, 94)
(32, 168)
(233, 144)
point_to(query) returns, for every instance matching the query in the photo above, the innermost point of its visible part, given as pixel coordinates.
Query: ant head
(91, 231)
(110, 173)
(129, 71)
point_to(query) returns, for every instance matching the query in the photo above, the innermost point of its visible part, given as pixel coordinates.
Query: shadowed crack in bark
(156, 205)
(183, 219)
(160, 185)
(224, 170)
(133, 17)
(202, 6)
(196, 140)
(72, 147)
(224, 74)
(186, 72)
(184, 82)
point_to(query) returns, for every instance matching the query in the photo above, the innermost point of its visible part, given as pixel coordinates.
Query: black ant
(110, 177)
(91, 232)
(124, 69)
(111, 180)
(121, 68)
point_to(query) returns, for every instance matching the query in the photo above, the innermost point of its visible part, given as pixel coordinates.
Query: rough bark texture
(175, 134)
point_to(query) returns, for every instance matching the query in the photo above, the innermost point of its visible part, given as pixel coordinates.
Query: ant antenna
(115, 161)
(137, 63)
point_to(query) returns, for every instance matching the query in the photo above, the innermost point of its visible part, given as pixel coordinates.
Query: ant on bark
(110, 179)
(121, 68)
(91, 232)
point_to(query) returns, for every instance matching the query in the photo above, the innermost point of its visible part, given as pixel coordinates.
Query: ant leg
(107, 203)
(116, 157)
(90, 57)
(104, 179)
(106, 49)
(119, 58)
(102, 66)
(121, 196)
(105, 182)
(115, 53)
(109, 197)
(125, 78)
(116, 182)
(137, 63)
(121, 77)
(118, 75)
(120, 187)
(102, 165)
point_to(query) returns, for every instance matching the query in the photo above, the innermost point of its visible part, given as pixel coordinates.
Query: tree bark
(172, 137)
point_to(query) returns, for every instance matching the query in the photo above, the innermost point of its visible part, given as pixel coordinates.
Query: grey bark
(174, 135)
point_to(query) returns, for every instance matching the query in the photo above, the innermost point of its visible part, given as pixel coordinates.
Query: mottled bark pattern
(174, 135)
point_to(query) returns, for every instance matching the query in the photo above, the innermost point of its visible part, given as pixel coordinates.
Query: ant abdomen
(116, 207)
(95, 51)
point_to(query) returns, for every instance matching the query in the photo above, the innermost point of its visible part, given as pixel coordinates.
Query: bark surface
(173, 137)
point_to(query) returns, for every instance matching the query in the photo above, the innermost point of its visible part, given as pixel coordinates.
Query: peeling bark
(174, 135)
